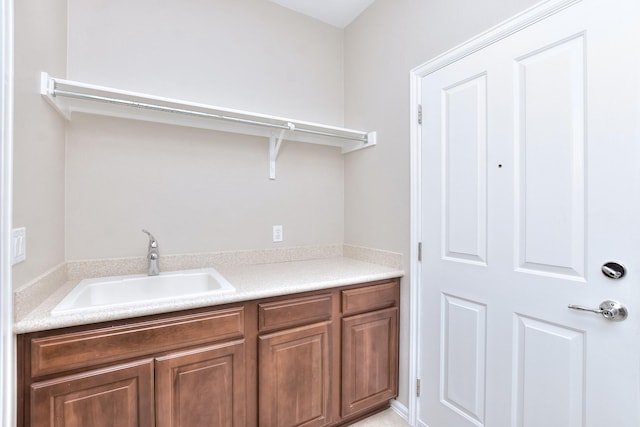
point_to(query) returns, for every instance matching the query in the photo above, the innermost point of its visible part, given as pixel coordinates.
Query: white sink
(124, 291)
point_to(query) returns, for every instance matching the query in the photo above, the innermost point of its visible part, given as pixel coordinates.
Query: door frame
(512, 25)
(7, 338)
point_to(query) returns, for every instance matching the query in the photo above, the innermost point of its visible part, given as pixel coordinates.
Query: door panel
(465, 175)
(120, 395)
(202, 386)
(464, 331)
(552, 379)
(529, 157)
(369, 360)
(294, 377)
(550, 132)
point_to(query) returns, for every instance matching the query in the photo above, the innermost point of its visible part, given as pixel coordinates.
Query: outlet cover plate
(277, 233)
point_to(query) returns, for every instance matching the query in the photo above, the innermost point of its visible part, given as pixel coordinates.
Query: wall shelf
(68, 97)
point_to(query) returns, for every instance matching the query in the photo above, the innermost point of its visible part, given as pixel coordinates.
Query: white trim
(400, 409)
(415, 237)
(7, 342)
(518, 22)
(501, 31)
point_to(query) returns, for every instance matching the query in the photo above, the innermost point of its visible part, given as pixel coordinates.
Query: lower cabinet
(369, 347)
(121, 395)
(369, 360)
(294, 377)
(201, 387)
(180, 369)
(315, 359)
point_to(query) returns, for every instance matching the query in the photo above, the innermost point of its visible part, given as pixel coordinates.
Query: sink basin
(125, 291)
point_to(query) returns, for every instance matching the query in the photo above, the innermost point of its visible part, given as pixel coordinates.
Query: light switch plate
(18, 245)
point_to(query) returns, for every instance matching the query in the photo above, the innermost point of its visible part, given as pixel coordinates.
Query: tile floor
(387, 418)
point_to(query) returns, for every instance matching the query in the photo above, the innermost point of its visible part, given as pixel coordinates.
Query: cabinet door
(294, 377)
(118, 396)
(369, 360)
(202, 387)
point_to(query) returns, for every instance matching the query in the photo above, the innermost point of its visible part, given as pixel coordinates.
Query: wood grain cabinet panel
(369, 360)
(118, 396)
(202, 387)
(294, 312)
(294, 377)
(370, 298)
(104, 345)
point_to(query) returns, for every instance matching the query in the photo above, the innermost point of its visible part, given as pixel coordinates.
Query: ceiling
(338, 13)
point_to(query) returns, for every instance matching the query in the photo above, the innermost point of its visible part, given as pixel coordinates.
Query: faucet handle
(153, 243)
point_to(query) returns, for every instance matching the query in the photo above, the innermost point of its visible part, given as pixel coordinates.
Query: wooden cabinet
(294, 377)
(369, 360)
(294, 363)
(136, 373)
(121, 395)
(315, 359)
(201, 387)
(302, 369)
(369, 347)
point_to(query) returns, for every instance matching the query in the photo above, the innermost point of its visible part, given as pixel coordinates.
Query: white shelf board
(69, 96)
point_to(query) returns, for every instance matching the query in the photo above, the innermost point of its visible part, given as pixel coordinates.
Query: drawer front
(77, 350)
(294, 312)
(370, 298)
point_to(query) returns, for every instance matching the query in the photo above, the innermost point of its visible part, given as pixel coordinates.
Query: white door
(530, 183)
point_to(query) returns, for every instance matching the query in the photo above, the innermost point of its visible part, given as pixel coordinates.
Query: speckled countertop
(251, 281)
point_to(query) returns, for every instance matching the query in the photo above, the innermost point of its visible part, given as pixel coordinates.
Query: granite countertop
(251, 281)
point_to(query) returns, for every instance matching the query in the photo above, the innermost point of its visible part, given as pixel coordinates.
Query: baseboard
(401, 410)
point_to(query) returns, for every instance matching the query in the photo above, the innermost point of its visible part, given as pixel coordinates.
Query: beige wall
(250, 54)
(199, 190)
(40, 44)
(381, 47)
(196, 190)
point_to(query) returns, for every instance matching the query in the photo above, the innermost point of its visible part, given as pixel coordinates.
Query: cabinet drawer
(370, 298)
(293, 312)
(81, 349)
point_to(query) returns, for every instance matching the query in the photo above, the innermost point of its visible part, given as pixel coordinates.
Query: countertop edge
(247, 289)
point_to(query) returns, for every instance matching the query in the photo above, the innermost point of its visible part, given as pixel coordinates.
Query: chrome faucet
(153, 255)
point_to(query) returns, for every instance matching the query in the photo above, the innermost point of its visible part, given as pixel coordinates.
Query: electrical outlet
(18, 245)
(277, 233)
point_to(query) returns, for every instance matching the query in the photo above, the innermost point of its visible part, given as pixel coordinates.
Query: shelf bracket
(274, 148)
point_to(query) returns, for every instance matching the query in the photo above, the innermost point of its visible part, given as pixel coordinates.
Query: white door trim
(415, 266)
(522, 20)
(7, 342)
